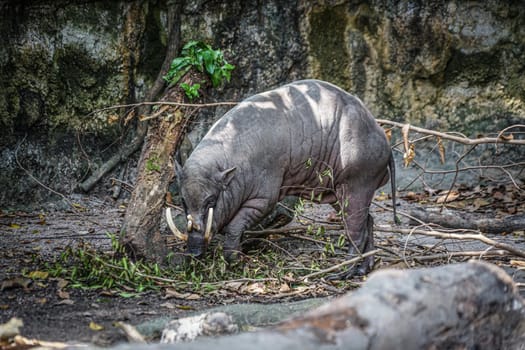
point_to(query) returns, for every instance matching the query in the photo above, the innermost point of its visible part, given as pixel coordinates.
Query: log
(140, 234)
(244, 315)
(471, 305)
(450, 219)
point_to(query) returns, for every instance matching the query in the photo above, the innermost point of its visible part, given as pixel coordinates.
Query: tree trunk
(140, 232)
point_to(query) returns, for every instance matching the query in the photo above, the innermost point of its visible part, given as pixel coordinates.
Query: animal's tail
(392, 171)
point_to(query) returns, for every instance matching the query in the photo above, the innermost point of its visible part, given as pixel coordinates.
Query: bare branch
(473, 254)
(343, 264)
(164, 103)
(458, 236)
(461, 139)
(288, 230)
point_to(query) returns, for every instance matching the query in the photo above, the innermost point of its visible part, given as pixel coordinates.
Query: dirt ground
(29, 240)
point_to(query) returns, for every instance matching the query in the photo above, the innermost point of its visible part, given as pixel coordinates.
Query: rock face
(446, 65)
(443, 65)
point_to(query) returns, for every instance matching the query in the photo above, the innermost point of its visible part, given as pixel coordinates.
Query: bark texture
(140, 233)
(466, 306)
(449, 219)
(471, 305)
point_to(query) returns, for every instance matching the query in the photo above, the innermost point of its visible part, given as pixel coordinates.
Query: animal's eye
(210, 202)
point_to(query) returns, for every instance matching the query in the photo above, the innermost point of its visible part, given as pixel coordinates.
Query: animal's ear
(225, 177)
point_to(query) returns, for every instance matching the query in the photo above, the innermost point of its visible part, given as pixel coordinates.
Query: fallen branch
(131, 332)
(288, 230)
(341, 265)
(502, 168)
(461, 139)
(506, 224)
(466, 254)
(458, 236)
(122, 155)
(471, 305)
(449, 255)
(164, 103)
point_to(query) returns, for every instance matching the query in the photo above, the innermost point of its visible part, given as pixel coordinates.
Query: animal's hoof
(231, 256)
(361, 269)
(343, 275)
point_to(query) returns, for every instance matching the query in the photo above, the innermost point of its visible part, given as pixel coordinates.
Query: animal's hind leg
(355, 202)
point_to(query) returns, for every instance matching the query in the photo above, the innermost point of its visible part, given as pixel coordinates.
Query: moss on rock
(327, 41)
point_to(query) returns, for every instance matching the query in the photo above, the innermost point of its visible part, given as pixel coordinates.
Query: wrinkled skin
(277, 143)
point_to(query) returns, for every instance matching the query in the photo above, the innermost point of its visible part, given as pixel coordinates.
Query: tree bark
(471, 305)
(140, 233)
(465, 306)
(448, 219)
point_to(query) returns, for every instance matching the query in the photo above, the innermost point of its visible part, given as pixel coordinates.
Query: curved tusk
(174, 228)
(209, 221)
(189, 226)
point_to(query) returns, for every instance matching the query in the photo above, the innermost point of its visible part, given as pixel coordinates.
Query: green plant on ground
(87, 268)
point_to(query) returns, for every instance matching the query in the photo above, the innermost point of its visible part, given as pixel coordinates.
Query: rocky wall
(445, 65)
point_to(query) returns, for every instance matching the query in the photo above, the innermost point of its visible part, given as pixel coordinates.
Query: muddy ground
(54, 312)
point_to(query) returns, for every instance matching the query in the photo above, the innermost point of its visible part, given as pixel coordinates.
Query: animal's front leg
(250, 213)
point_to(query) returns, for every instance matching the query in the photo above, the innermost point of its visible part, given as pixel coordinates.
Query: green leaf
(179, 63)
(209, 61)
(226, 71)
(176, 76)
(203, 58)
(128, 295)
(189, 47)
(192, 91)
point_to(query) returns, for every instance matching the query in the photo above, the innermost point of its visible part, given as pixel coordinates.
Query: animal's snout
(196, 245)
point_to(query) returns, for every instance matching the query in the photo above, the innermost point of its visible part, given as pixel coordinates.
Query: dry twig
(341, 265)
(163, 103)
(459, 236)
(461, 139)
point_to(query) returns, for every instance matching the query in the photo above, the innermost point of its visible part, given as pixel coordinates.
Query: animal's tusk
(189, 226)
(209, 221)
(174, 228)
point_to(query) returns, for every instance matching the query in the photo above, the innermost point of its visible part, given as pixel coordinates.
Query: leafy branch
(203, 58)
